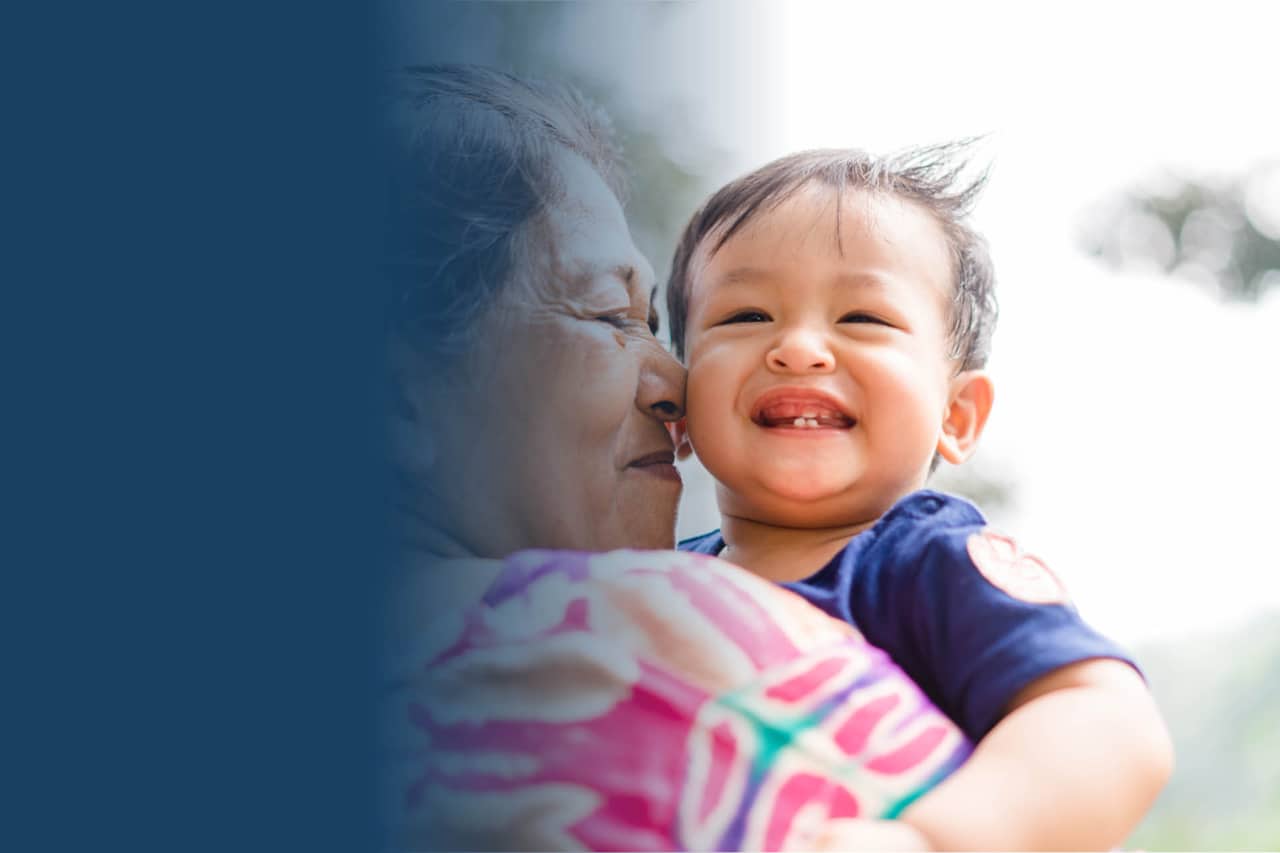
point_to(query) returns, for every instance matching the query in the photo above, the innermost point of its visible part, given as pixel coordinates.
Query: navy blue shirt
(967, 616)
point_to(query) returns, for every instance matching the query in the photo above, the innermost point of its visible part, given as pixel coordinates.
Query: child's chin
(807, 490)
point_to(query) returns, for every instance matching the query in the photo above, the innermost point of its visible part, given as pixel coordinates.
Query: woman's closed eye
(626, 322)
(617, 319)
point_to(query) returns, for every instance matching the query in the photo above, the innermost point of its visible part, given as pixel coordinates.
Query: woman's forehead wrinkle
(595, 247)
(576, 284)
(638, 285)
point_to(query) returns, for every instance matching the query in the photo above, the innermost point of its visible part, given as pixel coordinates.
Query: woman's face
(556, 436)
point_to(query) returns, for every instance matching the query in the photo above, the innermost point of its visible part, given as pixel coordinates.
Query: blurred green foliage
(1223, 233)
(980, 480)
(1221, 699)
(1220, 695)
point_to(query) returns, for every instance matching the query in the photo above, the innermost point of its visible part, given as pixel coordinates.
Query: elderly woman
(548, 691)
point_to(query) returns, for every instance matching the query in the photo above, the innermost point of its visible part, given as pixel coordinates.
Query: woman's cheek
(605, 384)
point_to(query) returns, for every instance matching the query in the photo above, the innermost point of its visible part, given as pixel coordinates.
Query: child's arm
(1070, 748)
(1074, 765)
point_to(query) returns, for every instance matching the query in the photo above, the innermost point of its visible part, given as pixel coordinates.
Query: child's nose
(801, 351)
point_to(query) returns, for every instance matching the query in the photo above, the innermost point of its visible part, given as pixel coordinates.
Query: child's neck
(783, 554)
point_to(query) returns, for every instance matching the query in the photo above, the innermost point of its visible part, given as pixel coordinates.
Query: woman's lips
(660, 464)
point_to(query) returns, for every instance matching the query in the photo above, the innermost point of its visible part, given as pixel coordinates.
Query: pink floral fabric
(653, 701)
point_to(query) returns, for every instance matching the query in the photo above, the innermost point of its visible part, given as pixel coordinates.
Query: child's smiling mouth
(800, 409)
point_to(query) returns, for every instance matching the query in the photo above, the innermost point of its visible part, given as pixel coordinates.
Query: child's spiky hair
(932, 177)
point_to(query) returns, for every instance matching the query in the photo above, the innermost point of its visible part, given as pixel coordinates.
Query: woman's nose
(801, 351)
(661, 389)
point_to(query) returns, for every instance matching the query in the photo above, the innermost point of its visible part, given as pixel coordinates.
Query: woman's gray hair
(472, 163)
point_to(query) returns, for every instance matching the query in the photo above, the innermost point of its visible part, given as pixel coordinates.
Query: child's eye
(749, 316)
(862, 317)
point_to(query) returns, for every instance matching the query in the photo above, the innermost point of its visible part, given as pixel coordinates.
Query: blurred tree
(1219, 695)
(1222, 703)
(981, 480)
(1224, 234)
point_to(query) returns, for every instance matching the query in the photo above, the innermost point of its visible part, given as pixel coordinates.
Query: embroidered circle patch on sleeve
(1008, 568)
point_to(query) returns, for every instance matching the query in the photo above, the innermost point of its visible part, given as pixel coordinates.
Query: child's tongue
(786, 413)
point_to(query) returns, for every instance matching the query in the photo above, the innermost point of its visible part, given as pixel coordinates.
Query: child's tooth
(813, 422)
(799, 422)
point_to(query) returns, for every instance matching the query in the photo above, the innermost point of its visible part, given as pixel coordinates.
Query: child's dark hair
(931, 177)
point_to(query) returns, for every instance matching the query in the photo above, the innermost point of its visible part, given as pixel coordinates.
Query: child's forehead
(819, 212)
(850, 230)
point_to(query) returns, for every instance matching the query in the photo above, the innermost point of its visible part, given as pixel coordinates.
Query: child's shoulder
(935, 508)
(922, 529)
(926, 519)
(935, 530)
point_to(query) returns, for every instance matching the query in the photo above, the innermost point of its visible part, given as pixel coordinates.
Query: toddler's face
(818, 371)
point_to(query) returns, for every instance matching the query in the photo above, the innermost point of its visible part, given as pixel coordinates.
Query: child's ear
(680, 438)
(970, 403)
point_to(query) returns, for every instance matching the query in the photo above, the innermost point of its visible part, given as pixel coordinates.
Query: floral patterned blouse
(651, 700)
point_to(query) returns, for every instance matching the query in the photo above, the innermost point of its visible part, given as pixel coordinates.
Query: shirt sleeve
(967, 613)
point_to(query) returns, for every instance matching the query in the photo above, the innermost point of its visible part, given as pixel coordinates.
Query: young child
(835, 312)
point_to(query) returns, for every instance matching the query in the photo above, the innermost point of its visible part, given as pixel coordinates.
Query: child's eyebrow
(742, 275)
(862, 279)
(747, 275)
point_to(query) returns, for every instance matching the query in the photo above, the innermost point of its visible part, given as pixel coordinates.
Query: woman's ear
(412, 446)
(415, 391)
(969, 405)
(680, 438)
